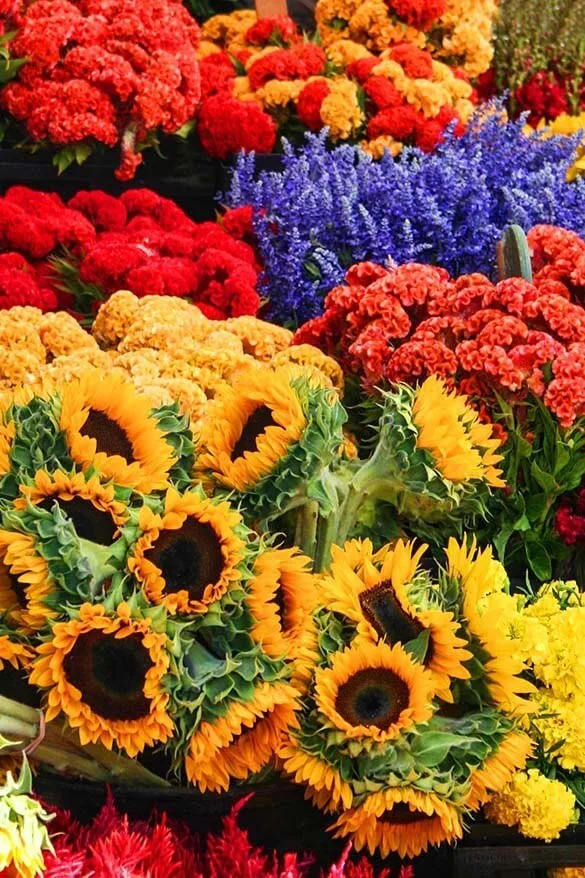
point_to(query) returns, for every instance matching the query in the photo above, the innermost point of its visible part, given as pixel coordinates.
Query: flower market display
(292, 502)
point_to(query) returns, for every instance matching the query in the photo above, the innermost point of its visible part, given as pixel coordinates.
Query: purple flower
(329, 209)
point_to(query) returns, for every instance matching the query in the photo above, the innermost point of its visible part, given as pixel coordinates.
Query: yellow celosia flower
(539, 807)
(344, 52)
(278, 93)
(242, 90)
(225, 29)
(114, 318)
(340, 110)
(61, 335)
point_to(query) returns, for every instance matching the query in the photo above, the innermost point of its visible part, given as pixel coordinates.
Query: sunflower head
(269, 434)
(110, 427)
(433, 457)
(191, 552)
(105, 669)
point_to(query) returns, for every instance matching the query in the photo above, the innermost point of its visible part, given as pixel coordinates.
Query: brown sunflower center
(14, 583)
(189, 558)
(254, 427)
(110, 674)
(401, 815)
(372, 697)
(89, 523)
(109, 436)
(383, 611)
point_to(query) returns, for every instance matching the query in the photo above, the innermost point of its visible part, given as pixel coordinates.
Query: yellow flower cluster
(538, 806)
(168, 348)
(461, 35)
(226, 32)
(568, 126)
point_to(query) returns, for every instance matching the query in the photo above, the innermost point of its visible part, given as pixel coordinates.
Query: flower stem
(326, 535)
(309, 517)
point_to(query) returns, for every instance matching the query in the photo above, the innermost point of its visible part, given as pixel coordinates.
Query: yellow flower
(224, 29)
(260, 339)
(25, 583)
(380, 145)
(71, 366)
(345, 52)
(461, 446)
(400, 820)
(108, 425)
(114, 318)
(105, 673)
(537, 806)
(562, 667)
(278, 93)
(62, 335)
(189, 557)
(325, 786)
(243, 740)
(340, 110)
(374, 691)
(561, 728)
(14, 653)
(498, 770)
(242, 90)
(307, 355)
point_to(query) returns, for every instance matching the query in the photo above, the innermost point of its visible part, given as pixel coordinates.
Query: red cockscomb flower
(298, 62)
(309, 103)
(227, 126)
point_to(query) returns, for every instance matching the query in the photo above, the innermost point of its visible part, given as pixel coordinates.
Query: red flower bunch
(114, 845)
(148, 245)
(105, 71)
(217, 75)
(543, 96)
(418, 13)
(226, 126)
(279, 30)
(558, 255)
(20, 284)
(405, 323)
(570, 519)
(298, 62)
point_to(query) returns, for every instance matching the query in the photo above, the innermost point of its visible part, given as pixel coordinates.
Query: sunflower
(400, 820)
(501, 660)
(189, 556)
(109, 427)
(463, 449)
(6, 441)
(324, 784)
(282, 597)
(374, 690)
(92, 507)
(105, 673)
(242, 741)
(268, 433)
(26, 584)
(372, 591)
(499, 768)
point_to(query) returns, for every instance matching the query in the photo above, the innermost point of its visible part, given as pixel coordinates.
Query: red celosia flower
(298, 62)
(309, 104)
(416, 63)
(104, 211)
(362, 69)
(225, 284)
(418, 13)
(280, 30)
(239, 222)
(399, 122)
(382, 92)
(227, 126)
(543, 97)
(217, 75)
(103, 71)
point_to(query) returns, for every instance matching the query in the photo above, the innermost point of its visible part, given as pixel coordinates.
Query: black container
(191, 180)
(277, 817)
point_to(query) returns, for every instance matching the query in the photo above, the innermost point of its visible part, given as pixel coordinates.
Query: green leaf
(538, 559)
(185, 130)
(546, 481)
(431, 748)
(418, 648)
(536, 506)
(82, 152)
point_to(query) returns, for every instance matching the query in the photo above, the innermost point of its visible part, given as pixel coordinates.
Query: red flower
(362, 68)
(227, 126)
(299, 62)
(543, 97)
(239, 222)
(280, 29)
(399, 122)
(217, 75)
(416, 63)
(104, 211)
(309, 104)
(418, 13)
(382, 92)
(226, 284)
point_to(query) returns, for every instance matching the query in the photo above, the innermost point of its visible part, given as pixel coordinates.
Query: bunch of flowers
(458, 31)
(545, 629)
(113, 844)
(412, 717)
(150, 612)
(76, 254)
(539, 58)
(274, 84)
(103, 72)
(330, 209)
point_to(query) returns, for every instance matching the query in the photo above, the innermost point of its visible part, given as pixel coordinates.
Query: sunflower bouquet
(414, 714)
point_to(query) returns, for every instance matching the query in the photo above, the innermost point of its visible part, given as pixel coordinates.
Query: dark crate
(189, 179)
(278, 817)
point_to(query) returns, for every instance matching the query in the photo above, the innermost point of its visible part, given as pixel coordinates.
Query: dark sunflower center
(89, 523)
(110, 674)
(382, 609)
(256, 424)
(189, 558)
(372, 697)
(402, 815)
(109, 436)
(17, 587)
